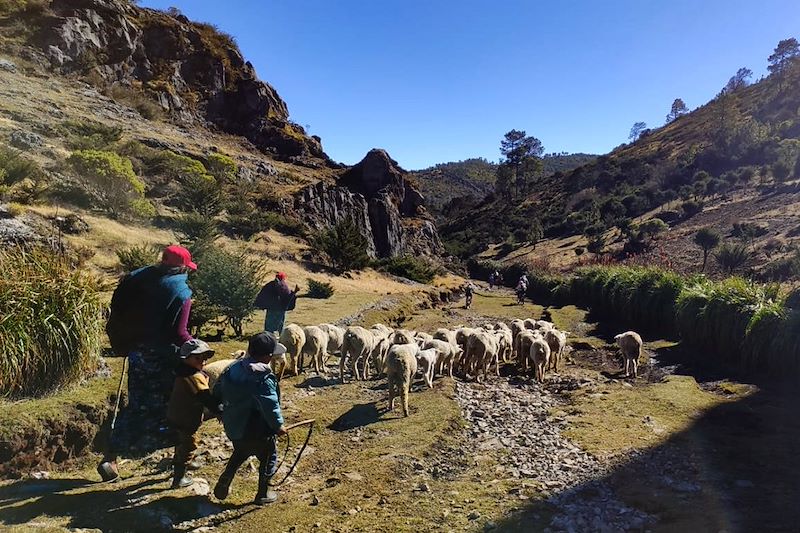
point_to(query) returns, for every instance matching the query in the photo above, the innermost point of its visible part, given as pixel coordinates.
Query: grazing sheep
(384, 330)
(403, 336)
(481, 351)
(523, 346)
(517, 326)
(316, 346)
(335, 337)
(426, 363)
(630, 344)
(557, 340)
(505, 344)
(401, 365)
(293, 337)
(529, 323)
(447, 335)
(356, 347)
(539, 355)
(422, 338)
(446, 354)
(378, 357)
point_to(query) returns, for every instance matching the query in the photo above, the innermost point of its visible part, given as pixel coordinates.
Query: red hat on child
(281, 275)
(177, 256)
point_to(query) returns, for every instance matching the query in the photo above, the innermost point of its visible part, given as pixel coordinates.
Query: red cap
(281, 275)
(177, 256)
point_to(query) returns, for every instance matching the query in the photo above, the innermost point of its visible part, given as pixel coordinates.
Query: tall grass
(51, 322)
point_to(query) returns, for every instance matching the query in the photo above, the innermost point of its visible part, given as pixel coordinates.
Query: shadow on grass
(734, 469)
(359, 415)
(317, 382)
(110, 507)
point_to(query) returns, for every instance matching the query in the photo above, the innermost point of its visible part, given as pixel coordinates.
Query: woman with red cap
(149, 321)
(277, 298)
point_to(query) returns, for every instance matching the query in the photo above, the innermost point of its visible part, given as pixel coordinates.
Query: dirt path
(584, 452)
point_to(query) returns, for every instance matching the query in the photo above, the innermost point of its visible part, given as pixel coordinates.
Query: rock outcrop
(377, 194)
(192, 70)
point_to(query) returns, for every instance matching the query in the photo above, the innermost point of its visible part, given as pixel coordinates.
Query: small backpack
(129, 304)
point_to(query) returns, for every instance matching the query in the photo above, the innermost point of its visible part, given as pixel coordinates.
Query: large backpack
(129, 304)
(268, 297)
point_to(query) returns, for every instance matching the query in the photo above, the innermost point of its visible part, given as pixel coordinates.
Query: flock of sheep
(399, 354)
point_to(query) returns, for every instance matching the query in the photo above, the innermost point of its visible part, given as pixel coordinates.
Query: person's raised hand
(281, 431)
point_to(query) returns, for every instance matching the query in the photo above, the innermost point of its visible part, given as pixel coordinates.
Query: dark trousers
(262, 449)
(185, 446)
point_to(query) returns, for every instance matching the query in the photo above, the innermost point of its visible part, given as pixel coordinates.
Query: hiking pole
(119, 393)
(310, 424)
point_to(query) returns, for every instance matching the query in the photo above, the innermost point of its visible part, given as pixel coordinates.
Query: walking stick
(119, 393)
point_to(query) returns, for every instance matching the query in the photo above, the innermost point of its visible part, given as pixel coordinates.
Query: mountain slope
(740, 147)
(475, 177)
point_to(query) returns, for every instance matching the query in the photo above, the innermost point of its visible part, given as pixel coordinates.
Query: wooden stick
(298, 424)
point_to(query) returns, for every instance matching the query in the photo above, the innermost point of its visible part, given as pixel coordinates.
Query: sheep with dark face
(630, 344)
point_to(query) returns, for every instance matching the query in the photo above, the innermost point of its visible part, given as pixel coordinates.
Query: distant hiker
(277, 298)
(190, 394)
(252, 414)
(521, 289)
(149, 317)
(469, 290)
(492, 279)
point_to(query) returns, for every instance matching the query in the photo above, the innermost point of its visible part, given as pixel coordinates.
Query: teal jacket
(251, 400)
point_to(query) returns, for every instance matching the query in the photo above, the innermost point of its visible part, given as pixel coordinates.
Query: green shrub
(196, 231)
(732, 256)
(783, 269)
(109, 179)
(135, 257)
(51, 322)
(138, 100)
(16, 168)
(707, 239)
(344, 245)
(319, 289)
(691, 208)
(410, 267)
(229, 282)
(89, 135)
(200, 193)
(222, 167)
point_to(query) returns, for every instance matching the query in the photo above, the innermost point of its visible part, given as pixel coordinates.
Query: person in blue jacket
(251, 414)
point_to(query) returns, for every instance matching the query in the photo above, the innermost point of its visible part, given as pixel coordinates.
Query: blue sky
(434, 81)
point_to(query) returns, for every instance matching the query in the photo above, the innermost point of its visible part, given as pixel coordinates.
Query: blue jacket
(251, 400)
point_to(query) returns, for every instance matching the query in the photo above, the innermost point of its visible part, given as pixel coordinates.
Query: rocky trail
(585, 451)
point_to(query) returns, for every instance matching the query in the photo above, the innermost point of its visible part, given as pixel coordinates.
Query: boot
(179, 478)
(264, 496)
(108, 469)
(194, 465)
(223, 485)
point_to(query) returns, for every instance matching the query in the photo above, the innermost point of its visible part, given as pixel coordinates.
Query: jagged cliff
(378, 195)
(194, 71)
(197, 76)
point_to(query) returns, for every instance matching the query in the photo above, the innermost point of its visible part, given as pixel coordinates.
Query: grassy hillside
(475, 177)
(732, 157)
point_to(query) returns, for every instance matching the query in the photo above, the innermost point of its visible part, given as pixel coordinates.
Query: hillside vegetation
(727, 157)
(475, 178)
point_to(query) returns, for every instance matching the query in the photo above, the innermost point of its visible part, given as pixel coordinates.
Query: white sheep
(530, 323)
(293, 337)
(505, 344)
(426, 363)
(501, 325)
(557, 340)
(335, 337)
(544, 325)
(523, 346)
(316, 346)
(539, 357)
(384, 330)
(422, 337)
(446, 355)
(630, 344)
(403, 336)
(447, 335)
(401, 365)
(517, 326)
(356, 347)
(480, 353)
(378, 357)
